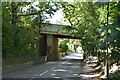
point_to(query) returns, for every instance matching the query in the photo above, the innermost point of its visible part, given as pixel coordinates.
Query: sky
(57, 18)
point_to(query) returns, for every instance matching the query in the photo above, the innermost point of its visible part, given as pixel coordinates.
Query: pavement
(70, 67)
(88, 70)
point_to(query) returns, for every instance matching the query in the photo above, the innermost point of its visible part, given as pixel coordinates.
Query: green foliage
(111, 37)
(83, 18)
(15, 39)
(63, 46)
(88, 21)
(20, 43)
(21, 39)
(110, 34)
(115, 75)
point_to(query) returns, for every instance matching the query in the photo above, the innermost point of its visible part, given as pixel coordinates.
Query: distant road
(67, 67)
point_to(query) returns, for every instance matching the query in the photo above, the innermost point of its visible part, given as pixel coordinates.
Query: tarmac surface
(70, 67)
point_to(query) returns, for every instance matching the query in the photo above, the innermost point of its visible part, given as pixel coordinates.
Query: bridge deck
(57, 31)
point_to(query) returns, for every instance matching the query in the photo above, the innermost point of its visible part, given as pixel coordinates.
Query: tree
(83, 18)
(89, 21)
(63, 45)
(20, 36)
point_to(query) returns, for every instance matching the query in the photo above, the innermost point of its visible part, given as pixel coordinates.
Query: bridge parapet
(54, 29)
(49, 41)
(58, 30)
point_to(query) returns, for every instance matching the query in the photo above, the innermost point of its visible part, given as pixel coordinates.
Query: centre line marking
(59, 64)
(53, 68)
(43, 73)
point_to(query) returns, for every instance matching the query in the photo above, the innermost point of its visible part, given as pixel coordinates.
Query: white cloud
(58, 18)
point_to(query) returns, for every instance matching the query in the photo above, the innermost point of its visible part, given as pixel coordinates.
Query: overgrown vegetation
(63, 47)
(115, 75)
(20, 34)
(96, 23)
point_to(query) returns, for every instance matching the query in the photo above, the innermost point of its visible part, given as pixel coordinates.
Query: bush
(115, 75)
(63, 46)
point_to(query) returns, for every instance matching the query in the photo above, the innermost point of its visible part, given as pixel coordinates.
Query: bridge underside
(48, 42)
(63, 36)
(48, 46)
(66, 36)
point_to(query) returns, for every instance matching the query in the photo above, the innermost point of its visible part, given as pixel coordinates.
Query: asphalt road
(68, 67)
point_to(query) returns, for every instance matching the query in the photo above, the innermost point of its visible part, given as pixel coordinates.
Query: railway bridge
(48, 42)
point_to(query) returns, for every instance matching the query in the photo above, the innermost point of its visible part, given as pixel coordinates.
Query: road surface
(68, 67)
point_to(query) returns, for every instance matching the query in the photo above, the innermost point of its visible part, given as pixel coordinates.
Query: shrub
(115, 75)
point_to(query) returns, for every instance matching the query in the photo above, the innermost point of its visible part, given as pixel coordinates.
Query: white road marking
(53, 68)
(43, 73)
(59, 65)
(48, 71)
(32, 78)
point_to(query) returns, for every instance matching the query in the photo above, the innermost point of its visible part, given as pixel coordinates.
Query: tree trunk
(14, 23)
(14, 13)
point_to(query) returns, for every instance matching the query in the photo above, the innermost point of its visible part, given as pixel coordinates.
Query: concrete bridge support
(43, 46)
(55, 48)
(52, 47)
(48, 49)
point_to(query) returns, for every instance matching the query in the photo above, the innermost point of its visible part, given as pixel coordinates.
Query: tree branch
(29, 14)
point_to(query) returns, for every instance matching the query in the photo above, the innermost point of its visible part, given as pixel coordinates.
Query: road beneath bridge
(67, 68)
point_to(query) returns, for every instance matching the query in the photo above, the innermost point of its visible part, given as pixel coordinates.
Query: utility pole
(106, 70)
(106, 61)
